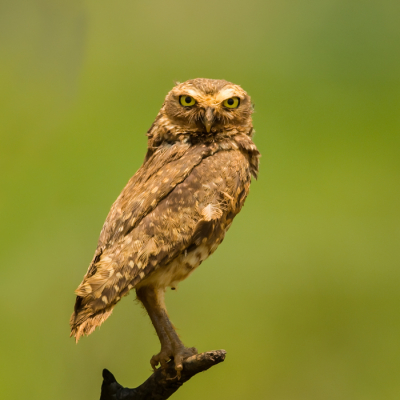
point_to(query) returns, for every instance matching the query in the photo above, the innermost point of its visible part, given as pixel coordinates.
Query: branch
(160, 385)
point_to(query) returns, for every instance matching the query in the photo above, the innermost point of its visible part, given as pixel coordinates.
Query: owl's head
(208, 106)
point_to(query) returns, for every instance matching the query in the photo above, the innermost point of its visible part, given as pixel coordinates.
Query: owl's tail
(84, 321)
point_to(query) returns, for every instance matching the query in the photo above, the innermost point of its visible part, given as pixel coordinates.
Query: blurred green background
(304, 292)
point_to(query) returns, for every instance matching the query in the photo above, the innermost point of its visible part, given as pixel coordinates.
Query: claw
(163, 363)
(153, 363)
(166, 354)
(161, 358)
(178, 365)
(178, 369)
(174, 377)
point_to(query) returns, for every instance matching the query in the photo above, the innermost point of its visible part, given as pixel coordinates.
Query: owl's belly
(178, 269)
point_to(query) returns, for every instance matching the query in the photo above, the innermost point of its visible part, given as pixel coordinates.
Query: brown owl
(175, 211)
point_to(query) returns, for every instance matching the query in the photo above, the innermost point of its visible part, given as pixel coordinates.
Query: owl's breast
(181, 267)
(178, 269)
(194, 217)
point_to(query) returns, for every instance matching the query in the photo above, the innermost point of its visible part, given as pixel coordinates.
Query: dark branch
(160, 385)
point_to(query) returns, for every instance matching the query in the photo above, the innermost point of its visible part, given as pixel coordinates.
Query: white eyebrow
(225, 93)
(191, 92)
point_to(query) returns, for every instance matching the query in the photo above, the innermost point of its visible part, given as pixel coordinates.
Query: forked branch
(160, 385)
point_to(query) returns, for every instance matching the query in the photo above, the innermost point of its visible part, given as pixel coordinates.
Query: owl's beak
(208, 119)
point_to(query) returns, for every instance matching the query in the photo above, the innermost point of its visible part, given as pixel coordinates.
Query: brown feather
(176, 209)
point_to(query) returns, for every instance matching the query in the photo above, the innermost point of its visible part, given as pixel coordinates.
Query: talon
(178, 368)
(173, 378)
(163, 363)
(161, 358)
(153, 364)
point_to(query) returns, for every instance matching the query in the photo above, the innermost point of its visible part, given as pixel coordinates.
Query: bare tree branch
(160, 385)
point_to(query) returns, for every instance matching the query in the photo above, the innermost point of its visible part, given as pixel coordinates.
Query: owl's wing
(183, 197)
(168, 166)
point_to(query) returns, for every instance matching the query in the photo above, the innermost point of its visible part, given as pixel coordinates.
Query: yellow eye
(187, 101)
(233, 102)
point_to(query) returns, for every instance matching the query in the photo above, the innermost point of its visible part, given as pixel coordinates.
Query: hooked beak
(208, 119)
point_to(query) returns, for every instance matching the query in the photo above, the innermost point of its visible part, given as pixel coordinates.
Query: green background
(304, 292)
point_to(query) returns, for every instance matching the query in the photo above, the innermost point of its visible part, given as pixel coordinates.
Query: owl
(174, 212)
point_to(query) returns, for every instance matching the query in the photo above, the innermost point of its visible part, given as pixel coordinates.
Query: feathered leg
(171, 346)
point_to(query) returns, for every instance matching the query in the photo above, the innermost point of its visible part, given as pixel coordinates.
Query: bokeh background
(304, 292)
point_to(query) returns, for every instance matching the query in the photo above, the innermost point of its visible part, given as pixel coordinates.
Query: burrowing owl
(175, 211)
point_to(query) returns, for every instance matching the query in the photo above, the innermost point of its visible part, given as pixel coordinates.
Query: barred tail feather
(84, 321)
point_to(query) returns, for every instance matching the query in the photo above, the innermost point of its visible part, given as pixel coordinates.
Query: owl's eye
(187, 101)
(233, 102)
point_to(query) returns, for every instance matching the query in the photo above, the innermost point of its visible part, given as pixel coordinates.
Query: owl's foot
(181, 354)
(178, 356)
(161, 358)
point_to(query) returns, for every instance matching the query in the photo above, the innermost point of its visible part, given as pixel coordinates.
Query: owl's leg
(171, 346)
(150, 298)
